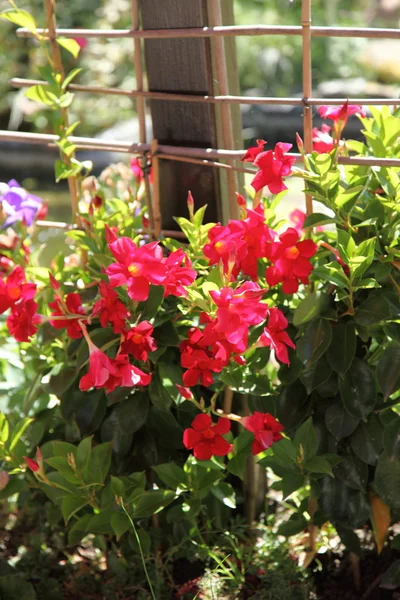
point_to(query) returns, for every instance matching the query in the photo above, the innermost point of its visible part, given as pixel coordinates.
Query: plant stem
(140, 548)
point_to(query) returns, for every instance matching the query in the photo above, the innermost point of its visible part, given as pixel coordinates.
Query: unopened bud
(110, 235)
(300, 143)
(39, 457)
(54, 283)
(190, 205)
(71, 461)
(4, 478)
(32, 464)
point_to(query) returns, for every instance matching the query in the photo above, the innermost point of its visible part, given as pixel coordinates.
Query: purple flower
(18, 204)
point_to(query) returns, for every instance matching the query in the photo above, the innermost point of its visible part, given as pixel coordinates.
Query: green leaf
(158, 394)
(14, 587)
(4, 428)
(317, 219)
(387, 481)
(79, 529)
(152, 502)
(117, 486)
(333, 273)
(358, 390)
(365, 252)
(70, 45)
(18, 431)
(285, 451)
(40, 93)
(70, 505)
(294, 525)
(318, 464)
(292, 406)
(367, 440)
(388, 370)
(348, 195)
(19, 17)
(315, 341)
(346, 245)
(165, 428)
(71, 75)
(306, 438)
(374, 309)
(145, 542)
(318, 374)
(391, 577)
(225, 494)
(338, 421)
(150, 308)
(352, 471)
(172, 475)
(60, 463)
(99, 463)
(120, 524)
(83, 453)
(309, 308)
(341, 352)
(291, 483)
(391, 438)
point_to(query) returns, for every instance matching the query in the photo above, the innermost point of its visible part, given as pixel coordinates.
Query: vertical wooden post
(182, 65)
(307, 85)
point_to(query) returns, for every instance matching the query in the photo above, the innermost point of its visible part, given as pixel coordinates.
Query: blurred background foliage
(269, 66)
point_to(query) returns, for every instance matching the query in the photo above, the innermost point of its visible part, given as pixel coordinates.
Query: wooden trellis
(214, 158)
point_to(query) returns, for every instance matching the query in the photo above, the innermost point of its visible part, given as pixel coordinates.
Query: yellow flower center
(208, 434)
(292, 253)
(136, 338)
(14, 292)
(220, 247)
(134, 270)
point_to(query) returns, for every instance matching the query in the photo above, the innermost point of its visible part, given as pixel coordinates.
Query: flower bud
(54, 283)
(4, 478)
(190, 205)
(32, 464)
(110, 234)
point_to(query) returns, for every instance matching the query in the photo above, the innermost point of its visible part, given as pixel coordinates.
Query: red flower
(15, 288)
(70, 306)
(110, 373)
(138, 171)
(111, 309)
(237, 310)
(266, 430)
(275, 336)
(23, 320)
(205, 438)
(136, 267)
(203, 354)
(273, 166)
(111, 233)
(254, 151)
(322, 141)
(227, 243)
(291, 261)
(341, 113)
(32, 464)
(138, 341)
(257, 234)
(184, 391)
(178, 277)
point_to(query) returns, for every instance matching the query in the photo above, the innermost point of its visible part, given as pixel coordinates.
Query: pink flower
(138, 171)
(136, 267)
(275, 336)
(341, 113)
(110, 373)
(254, 151)
(205, 437)
(22, 321)
(138, 341)
(237, 310)
(297, 218)
(72, 305)
(14, 289)
(111, 309)
(291, 261)
(322, 141)
(227, 243)
(273, 166)
(178, 276)
(266, 430)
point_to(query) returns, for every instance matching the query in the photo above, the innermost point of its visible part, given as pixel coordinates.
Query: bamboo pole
(226, 117)
(18, 82)
(307, 86)
(157, 218)
(176, 152)
(141, 107)
(232, 30)
(49, 6)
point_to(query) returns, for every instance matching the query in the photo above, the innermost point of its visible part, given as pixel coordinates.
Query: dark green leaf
(315, 341)
(99, 463)
(120, 524)
(317, 219)
(387, 481)
(306, 439)
(338, 421)
(71, 505)
(358, 390)
(318, 374)
(150, 308)
(79, 529)
(151, 502)
(309, 308)
(292, 406)
(388, 370)
(352, 471)
(341, 352)
(14, 587)
(225, 494)
(391, 438)
(318, 464)
(296, 524)
(391, 577)
(165, 428)
(374, 309)
(172, 475)
(291, 483)
(367, 440)
(83, 453)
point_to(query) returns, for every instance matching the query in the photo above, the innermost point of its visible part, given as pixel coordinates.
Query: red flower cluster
(265, 428)
(109, 374)
(17, 295)
(273, 166)
(110, 309)
(205, 437)
(138, 267)
(290, 259)
(275, 336)
(138, 341)
(239, 244)
(203, 354)
(71, 308)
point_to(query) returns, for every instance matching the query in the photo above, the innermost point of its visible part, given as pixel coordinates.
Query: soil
(335, 581)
